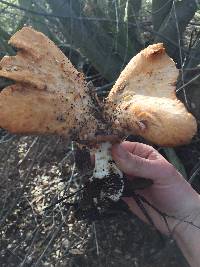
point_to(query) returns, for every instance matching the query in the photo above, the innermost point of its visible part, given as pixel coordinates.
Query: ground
(37, 171)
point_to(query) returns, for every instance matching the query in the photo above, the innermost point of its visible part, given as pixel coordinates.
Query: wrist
(189, 218)
(187, 234)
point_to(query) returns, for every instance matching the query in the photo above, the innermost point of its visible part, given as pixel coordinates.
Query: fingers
(148, 166)
(141, 150)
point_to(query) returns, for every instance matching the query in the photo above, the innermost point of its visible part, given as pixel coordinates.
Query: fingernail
(120, 152)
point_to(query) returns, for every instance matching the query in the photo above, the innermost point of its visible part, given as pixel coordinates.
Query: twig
(4, 140)
(193, 176)
(95, 237)
(186, 84)
(104, 87)
(28, 152)
(163, 214)
(55, 233)
(159, 9)
(180, 53)
(137, 199)
(21, 191)
(64, 198)
(35, 234)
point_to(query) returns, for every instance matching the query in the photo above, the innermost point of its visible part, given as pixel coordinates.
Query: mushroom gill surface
(143, 101)
(49, 95)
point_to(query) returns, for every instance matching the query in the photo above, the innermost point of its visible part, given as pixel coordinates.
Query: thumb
(131, 164)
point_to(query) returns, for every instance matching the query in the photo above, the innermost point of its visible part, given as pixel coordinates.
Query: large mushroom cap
(143, 100)
(49, 95)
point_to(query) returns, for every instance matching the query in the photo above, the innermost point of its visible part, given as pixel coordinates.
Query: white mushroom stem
(104, 164)
(105, 168)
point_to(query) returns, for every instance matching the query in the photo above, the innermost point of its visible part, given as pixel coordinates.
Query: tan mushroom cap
(49, 95)
(143, 100)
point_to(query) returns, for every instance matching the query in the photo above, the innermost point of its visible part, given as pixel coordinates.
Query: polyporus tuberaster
(51, 97)
(143, 100)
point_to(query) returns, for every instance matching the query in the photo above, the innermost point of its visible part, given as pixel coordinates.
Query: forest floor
(35, 171)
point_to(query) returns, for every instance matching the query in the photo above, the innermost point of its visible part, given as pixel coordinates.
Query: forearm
(188, 237)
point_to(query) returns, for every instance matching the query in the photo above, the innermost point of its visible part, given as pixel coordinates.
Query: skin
(170, 193)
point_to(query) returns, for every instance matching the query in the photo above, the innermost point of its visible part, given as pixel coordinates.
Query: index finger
(141, 150)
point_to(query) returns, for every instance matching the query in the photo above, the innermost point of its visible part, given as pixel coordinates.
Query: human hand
(170, 192)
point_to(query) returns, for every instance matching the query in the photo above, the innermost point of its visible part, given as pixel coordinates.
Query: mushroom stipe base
(94, 201)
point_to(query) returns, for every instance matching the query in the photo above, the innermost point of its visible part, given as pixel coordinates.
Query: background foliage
(108, 33)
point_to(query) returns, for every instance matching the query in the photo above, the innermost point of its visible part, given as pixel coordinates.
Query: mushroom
(51, 97)
(143, 100)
